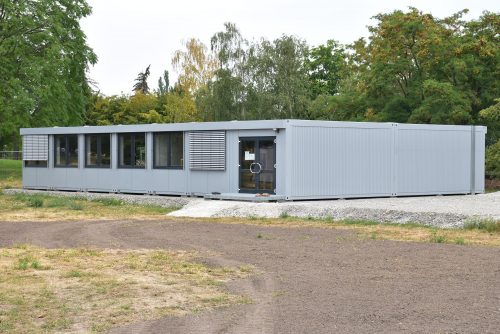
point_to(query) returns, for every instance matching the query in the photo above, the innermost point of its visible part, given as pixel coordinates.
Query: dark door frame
(256, 139)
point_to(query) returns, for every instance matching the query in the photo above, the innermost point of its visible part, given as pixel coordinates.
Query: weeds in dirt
(83, 290)
(437, 237)
(285, 215)
(488, 225)
(50, 207)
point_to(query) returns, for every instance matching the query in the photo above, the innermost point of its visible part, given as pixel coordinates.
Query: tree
(164, 83)
(44, 59)
(491, 118)
(326, 66)
(228, 89)
(141, 83)
(279, 86)
(442, 104)
(195, 66)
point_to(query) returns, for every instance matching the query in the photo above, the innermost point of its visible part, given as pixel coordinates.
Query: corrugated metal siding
(341, 161)
(36, 147)
(207, 150)
(387, 159)
(433, 161)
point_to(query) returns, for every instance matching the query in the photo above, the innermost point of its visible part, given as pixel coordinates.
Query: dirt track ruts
(311, 280)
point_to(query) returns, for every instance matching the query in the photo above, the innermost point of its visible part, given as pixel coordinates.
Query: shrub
(488, 225)
(437, 238)
(109, 201)
(493, 161)
(75, 206)
(35, 202)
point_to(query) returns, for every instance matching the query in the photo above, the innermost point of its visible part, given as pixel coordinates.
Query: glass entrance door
(258, 165)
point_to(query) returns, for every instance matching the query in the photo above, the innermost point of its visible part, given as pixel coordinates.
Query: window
(98, 150)
(168, 150)
(35, 163)
(132, 150)
(66, 150)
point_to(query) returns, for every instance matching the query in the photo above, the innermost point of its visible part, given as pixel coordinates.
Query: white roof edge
(192, 126)
(344, 124)
(233, 125)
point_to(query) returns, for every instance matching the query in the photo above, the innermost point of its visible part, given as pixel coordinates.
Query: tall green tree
(326, 65)
(279, 86)
(141, 82)
(227, 92)
(164, 83)
(44, 57)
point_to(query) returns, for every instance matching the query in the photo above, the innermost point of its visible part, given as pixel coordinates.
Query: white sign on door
(249, 156)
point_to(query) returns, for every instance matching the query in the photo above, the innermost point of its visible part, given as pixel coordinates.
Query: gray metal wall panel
(480, 156)
(433, 161)
(30, 177)
(369, 160)
(341, 162)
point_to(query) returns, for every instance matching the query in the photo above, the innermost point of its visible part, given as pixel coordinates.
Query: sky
(129, 35)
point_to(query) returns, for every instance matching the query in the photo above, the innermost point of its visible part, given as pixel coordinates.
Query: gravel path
(440, 211)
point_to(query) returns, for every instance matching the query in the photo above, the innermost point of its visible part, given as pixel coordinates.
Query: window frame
(66, 156)
(99, 150)
(169, 156)
(132, 150)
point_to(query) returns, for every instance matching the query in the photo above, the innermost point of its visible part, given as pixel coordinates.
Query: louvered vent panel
(36, 147)
(207, 150)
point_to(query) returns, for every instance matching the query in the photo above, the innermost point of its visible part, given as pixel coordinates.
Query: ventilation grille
(207, 150)
(36, 147)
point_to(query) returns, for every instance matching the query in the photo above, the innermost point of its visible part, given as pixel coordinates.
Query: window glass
(98, 150)
(60, 145)
(35, 163)
(91, 146)
(132, 150)
(168, 150)
(66, 150)
(105, 150)
(161, 149)
(177, 146)
(72, 148)
(140, 151)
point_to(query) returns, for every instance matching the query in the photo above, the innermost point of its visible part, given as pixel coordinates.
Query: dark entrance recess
(257, 165)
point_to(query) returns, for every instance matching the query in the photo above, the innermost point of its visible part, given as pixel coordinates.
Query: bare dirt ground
(307, 280)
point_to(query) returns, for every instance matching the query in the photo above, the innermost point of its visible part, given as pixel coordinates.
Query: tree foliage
(43, 61)
(141, 82)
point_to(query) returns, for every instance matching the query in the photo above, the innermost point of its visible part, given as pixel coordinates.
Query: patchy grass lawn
(10, 173)
(478, 232)
(41, 207)
(91, 290)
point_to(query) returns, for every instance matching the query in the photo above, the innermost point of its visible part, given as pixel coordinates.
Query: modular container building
(287, 159)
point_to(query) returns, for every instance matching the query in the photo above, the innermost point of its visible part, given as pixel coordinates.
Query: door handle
(255, 168)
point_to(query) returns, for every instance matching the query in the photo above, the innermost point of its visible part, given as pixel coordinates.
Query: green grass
(47, 206)
(10, 169)
(437, 237)
(10, 173)
(488, 225)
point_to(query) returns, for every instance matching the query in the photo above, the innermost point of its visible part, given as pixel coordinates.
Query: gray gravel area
(439, 211)
(164, 201)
